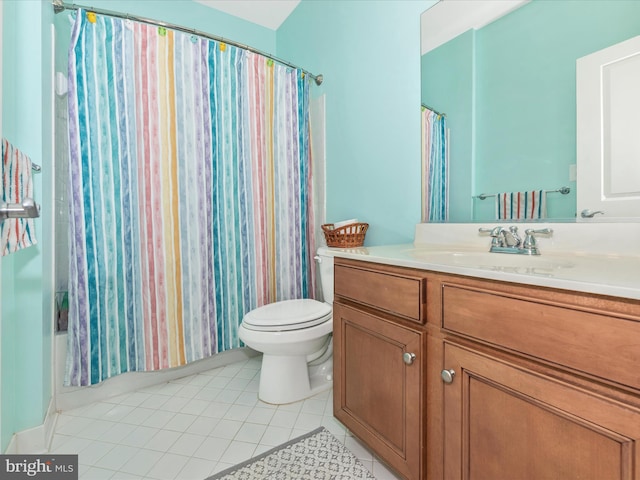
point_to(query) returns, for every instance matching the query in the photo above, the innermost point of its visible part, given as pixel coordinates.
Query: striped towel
(521, 205)
(17, 184)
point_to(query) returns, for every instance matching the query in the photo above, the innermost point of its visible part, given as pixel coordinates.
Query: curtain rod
(424, 105)
(59, 6)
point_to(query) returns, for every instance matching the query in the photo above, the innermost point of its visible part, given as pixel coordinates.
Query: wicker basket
(351, 235)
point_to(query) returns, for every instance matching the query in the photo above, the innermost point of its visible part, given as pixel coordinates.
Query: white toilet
(295, 339)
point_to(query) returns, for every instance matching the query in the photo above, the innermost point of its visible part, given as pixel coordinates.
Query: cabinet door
(503, 421)
(376, 394)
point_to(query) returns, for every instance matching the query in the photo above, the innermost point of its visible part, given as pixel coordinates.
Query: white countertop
(562, 265)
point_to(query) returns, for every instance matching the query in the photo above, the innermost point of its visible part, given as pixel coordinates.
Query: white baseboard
(37, 439)
(68, 398)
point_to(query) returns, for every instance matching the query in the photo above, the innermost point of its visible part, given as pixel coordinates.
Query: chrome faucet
(508, 241)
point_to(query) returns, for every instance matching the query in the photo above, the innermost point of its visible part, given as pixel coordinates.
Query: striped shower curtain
(435, 171)
(189, 196)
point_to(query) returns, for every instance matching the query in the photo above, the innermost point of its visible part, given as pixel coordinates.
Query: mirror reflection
(505, 84)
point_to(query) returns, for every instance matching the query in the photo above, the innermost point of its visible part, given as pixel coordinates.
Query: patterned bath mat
(318, 455)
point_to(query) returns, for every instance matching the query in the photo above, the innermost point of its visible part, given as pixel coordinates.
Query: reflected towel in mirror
(521, 205)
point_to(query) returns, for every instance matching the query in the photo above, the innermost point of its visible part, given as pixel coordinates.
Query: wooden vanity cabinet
(543, 383)
(379, 359)
(509, 381)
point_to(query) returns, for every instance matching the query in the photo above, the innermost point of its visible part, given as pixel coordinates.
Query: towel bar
(562, 190)
(27, 209)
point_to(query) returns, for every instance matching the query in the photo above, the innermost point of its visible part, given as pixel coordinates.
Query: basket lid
(287, 315)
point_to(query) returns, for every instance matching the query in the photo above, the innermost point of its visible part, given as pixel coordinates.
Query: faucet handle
(530, 243)
(543, 231)
(494, 233)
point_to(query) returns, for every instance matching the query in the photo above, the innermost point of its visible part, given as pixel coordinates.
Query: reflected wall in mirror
(508, 89)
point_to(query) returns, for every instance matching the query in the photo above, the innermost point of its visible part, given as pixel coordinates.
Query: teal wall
(26, 297)
(528, 141)
(369, 54)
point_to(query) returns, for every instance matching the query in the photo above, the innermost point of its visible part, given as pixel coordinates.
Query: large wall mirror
(506, 83)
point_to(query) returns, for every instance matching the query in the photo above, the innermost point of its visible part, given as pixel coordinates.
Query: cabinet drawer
(399, 294)
(593, 342)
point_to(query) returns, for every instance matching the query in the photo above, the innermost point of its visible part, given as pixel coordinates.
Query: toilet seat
(287, 315)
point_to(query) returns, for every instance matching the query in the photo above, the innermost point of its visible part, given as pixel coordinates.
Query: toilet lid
(287, 315)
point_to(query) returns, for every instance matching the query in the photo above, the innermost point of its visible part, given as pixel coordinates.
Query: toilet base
(288, 379)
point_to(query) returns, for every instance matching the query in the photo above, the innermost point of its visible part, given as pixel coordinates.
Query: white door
(608, 133)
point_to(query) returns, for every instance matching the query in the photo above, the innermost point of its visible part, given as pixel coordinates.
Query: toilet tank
(325, 267)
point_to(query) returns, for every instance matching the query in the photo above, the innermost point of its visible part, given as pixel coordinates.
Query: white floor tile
(118, 432)
(197, 469)
(73, 425)
(118, 412)
(216, 409)
(155, 401)
(382, 472)
(96, 429)
(228, 396)
(175, 404)
(158, 419)
(203, 426)
(95, 473)
(140, 436)
(138, 415)
(193, 427)
(195, 407)
(199, 380)
(238, 452)
(142, 462)
(67, 444)
(180, 422)
(314, 406)
(250, 432)
(248, 373)
(135, 399)
(238, 413)
(96, 410)
(226, 429)
(117, 457)
(250, 399)
(189, 391)
(238, 383)
(358, 449)
(275, 435)
(261, 415)
(169, 389)
(308, 421)
(284, 419)
(168, 467)
(218, 382)
(93, 452)
(221, 466)
(212, 448)
(187, 444)
(163, 440)
(208, 394)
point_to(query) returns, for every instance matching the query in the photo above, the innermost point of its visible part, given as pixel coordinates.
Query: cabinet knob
(408, 358)
(447, 375)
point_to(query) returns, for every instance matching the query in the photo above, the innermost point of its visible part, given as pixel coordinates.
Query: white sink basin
(537, 264)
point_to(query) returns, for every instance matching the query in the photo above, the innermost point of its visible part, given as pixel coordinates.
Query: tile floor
(192, 427)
